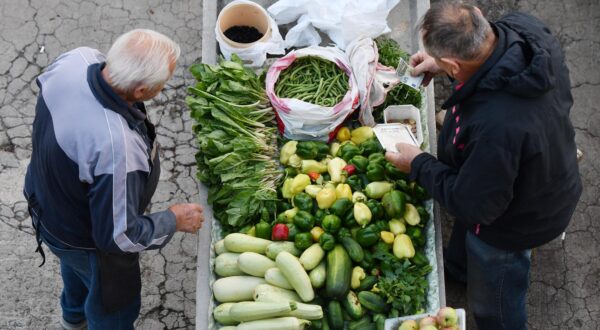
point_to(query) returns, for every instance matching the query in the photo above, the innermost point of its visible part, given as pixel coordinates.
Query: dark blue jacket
(92, 170)
(507, 166)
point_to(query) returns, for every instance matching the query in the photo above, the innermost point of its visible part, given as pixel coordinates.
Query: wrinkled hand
(404, 157)
(423, 63)
(189, 217)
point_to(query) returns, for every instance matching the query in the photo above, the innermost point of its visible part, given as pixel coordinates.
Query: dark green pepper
(304, 202)
(303, 241)
(383, 225)
(290, 172)
(394, 203)
(312, 149)
(367, 262)
(355, 183)
(360, 163)
(418, 192)
(319, 215)
(393, 173)
(331, 223)
(368, 236)
(349, 220)
(403, 185)
(419, 259)
(343, 232)
(304, 221)
(376, 209)
(423, 214)
(348, 151)
(282, 205)
(377, 158)
(327, 241)
(263, 230)
(416, 235)
(292, 231)
(281, 218)
(381, 246)
(375, 172)
(371, 146)
(341, 207)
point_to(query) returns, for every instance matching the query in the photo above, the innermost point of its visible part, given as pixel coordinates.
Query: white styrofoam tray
(398, 113)
(393, 324)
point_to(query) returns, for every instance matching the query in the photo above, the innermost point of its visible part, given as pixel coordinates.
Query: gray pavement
(564, 290)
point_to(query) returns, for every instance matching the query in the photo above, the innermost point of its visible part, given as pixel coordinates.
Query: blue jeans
(81, 297)
(497, 280)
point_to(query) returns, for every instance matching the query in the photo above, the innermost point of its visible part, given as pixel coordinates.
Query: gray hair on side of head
(141, 57)
(454, 29)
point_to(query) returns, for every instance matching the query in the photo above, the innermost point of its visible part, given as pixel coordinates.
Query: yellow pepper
(287, 151)
(295, 161)
(312, 190)
(358, 274)
(362, 214)
(397, 226)
(343, 134)
(334, 167)
(343, 191)
(361, 134)
(290, 214)
(411, 215)
(286, 190)
(314, 166)
(387, 237)
(403, 247)
(316, 233)
(334, 148)
(299, 183)
(326, 198)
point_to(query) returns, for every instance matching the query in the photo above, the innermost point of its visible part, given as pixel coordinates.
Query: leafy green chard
(237, 141)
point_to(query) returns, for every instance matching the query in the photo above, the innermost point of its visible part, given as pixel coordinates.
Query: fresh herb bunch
(390, 52)
(237, 141)
(403, 284)
(313, 80)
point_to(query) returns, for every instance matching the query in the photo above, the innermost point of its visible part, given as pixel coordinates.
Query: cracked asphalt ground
(564, 290)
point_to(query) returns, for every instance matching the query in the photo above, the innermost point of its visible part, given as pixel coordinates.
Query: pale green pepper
(343, 191)
(312, 190)
(295, 161)
(358, 274)
(326, 197)
(411, 215)
(334, 167)
(287, 151)
(377, 189)
(299, 183)
(308, 166)
(403, 247)
(361, 134)
(362, 214)
(286, 190)
(397, 226)
(333, 149)
(358, 197)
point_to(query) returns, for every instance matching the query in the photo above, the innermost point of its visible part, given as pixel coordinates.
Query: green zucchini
(367, 283)
(334, 315)
(372, 301)
(337, 282)
(355, 251)
(352, 306)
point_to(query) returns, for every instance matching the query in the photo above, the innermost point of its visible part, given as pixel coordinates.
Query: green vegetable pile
(313, 80)
(390, 52)
(236, 136)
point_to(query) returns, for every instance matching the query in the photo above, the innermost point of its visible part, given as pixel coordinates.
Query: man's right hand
(423, 63)
(189, 217)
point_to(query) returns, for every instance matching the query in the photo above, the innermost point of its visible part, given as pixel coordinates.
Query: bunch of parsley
(237, 140)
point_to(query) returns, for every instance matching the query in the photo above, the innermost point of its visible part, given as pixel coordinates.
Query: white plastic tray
(398, 113)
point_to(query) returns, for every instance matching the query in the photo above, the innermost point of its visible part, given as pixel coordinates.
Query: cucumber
(312, 256)
(355, 251)
(220, 247)
(255, 264)
(367, 283)
(363, 323)
(372, 301)
(334, 315)
(236, 288)
(222, 314)
(226, 264)
(293, 271)
(270, 293)
(274, 248)
(275, 277)
(337, 282)
(317, 276)
(352, 306)
(237, 242)
(307, 311)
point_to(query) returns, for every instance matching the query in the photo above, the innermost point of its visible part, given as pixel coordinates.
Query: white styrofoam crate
(393, 324)
(398, 113)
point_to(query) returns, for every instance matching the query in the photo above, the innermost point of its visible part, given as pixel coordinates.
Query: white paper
(390, 134)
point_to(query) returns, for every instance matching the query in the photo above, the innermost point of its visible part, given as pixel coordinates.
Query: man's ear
(140, 92)
(451, 64)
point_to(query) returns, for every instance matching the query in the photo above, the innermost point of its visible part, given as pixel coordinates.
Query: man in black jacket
(507, 167)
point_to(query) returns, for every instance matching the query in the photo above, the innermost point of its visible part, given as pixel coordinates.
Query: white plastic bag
(342, 20)
(300, 120)
(256, 54)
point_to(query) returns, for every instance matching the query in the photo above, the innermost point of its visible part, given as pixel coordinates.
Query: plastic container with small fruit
(447, 318)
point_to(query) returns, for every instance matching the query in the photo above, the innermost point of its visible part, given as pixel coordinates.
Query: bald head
(141, 57)
(453, 29)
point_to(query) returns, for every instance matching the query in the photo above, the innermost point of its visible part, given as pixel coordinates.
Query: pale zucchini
(226, 264)
(318, 275)
(222, 314)
(254, 264)
(274, 248)
(270, 293)
(281, 323)
(220, 247)
(295, 274)
(257, 310)
(275, 277)
(237, 242)
(229, 327)
(307, 312)
(312, 256)
(236, 288)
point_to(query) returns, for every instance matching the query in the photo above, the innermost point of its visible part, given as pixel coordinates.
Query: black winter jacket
(507, 166)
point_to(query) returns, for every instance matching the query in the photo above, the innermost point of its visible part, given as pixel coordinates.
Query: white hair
(140, 57)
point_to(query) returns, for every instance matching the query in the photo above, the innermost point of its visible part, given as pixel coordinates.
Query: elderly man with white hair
(93, 171)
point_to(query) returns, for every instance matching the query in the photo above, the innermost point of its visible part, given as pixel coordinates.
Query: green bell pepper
(341, 207)
(332, 223)
(381, 246)
(418, 192)
(375, 172)
(282, 205)
(312, 149)
(403, 185)
(343, 232)
(292, 231)
(327, 241)
(367, 262)
(377, 158)
(290, 172)
(281, 218)
(393, 173)
(303, 202)
(368, 236)
(377, 209)
(416, 235)
(419, 259)
(383, 225)
(303, 241)
(319, 215)
(360, 163)
(304, 221)
(263, 230)
(394, 204)
(355, 183)
(423, 214)
(371, 146)
(348, 151)
(349, 220)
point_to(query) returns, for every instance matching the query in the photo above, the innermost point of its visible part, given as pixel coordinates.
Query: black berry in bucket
(243, 34)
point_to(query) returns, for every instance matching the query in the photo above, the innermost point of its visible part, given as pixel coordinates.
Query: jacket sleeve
(480, 190)
(118, 225)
